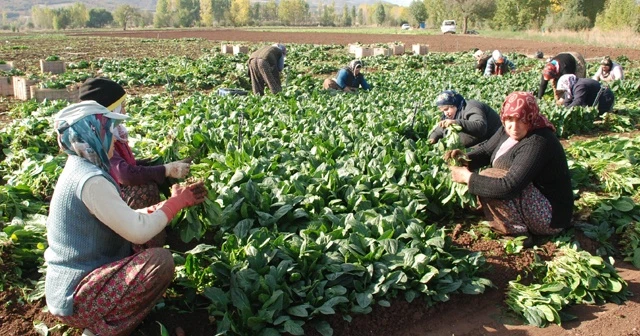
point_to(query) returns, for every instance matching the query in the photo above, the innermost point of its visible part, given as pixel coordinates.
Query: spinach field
(325, 204)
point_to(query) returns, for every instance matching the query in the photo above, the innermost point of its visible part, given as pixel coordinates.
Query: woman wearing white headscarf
(94, 280)
(139, 180)
(584, 92)
(348, 79)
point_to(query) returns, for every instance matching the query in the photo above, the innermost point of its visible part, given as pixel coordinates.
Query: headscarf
(497, 56)
(523, 106)
(450, 97)
(478, 54)
(110, 95)
(282, 48)
(86, 129)
(566, 83)
(355, 64)
(550, 70)
(607, 61)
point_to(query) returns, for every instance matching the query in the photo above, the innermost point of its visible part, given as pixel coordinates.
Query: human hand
(177, 169)
(432, 141)
(456, 156)
(183, 197)
(446, 123)
(189, 195)
(460, 174)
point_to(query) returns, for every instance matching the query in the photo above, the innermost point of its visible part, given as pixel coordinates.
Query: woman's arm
(543, 87)
(473, 121)
(480, 155)
(437, 134)
(127, 174)
(529, 159)
(103, 201)
(364, 84)
(488, 70)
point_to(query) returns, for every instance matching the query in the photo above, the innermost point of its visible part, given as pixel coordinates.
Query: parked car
(405, 26)
(448, 27)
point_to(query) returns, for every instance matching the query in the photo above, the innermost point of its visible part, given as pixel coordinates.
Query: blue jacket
(346, 78)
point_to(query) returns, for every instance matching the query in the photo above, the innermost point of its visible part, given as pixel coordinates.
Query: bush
(573, 23)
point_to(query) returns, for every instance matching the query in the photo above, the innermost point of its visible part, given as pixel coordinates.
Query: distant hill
(15, 8)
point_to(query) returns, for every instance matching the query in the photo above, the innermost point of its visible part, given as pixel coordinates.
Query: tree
(206, 12)
(353, 14)
(61, 18)
(78, 15)
(162, 17)
(99, 17)
(293, 12)
(240, 12)
(186, 13)
(361, 16)
(379, 14)
(473, 8)
(346, 18)
(255, 12)
(328, 15)
(221, 11)
(520, 15)
(619, 13)
(42, 17)
(124, 15)
(418, 11)
(592, 8)
(145, 19)
(437, 12)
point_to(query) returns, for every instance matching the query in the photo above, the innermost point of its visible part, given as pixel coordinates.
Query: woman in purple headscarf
(477, 119)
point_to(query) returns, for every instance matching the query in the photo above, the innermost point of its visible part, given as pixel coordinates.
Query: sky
(405, 3)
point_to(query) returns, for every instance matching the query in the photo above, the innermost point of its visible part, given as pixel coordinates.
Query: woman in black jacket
(584, 92)
(477, 119)
(561, 64)
(528, 189)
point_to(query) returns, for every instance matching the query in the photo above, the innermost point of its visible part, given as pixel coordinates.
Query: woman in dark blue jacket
(585, 92)
(348, 79)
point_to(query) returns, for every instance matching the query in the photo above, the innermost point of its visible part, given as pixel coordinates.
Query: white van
(448, 27)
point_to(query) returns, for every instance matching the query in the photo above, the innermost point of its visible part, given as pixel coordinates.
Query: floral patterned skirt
(115, 298)
(530, 212)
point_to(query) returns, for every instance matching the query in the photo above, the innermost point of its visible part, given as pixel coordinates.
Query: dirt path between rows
(437, 43)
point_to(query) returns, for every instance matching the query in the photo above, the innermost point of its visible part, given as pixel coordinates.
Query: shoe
(528, 242)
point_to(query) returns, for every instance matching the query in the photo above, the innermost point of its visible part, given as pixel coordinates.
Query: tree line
(511, 15)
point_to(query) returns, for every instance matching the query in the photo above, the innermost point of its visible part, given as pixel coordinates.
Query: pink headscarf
(523, 105)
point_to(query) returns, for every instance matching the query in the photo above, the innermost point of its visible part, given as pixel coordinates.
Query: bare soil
(483, 314)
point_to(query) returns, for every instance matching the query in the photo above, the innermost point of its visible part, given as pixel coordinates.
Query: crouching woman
(527, 189)
(94, 280)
